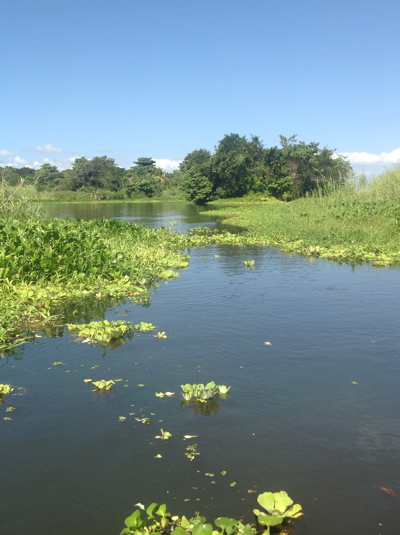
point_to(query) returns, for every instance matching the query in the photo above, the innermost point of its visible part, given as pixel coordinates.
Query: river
(310, 349)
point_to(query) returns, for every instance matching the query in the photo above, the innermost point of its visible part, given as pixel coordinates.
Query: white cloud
(167, 165)
(368, 158)
(18, 162)
(370, 163)
(48, 148)
(60, 163)
(5, 152)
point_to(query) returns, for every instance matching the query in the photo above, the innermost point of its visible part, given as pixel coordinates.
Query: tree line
(238, 167)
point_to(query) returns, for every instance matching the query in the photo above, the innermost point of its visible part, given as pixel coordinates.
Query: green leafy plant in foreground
(156, 519)
(248, 263)
(279, 508)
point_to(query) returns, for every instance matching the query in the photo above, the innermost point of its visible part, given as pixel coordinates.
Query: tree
(14, 176)
(144, 178)
(311, 167)
(199, 157)
(146, 163)
(196, 187)
(47, 177)
(236, 165)
(99, 172)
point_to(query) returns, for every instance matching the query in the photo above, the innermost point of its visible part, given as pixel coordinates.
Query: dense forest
(238, 167)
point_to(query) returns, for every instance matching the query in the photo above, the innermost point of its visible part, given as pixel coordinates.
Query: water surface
(315, 412)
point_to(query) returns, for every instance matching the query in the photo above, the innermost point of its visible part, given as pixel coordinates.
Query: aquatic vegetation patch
(5, 390)
(101, 385)
(201, 392)
(45, 264)
(353, 228)
(161, 335)
(101, 332)
(279, 509)
(156, 519)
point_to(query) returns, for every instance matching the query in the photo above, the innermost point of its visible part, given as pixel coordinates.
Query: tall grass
(354, 223)
(45, 264)
(15, 201)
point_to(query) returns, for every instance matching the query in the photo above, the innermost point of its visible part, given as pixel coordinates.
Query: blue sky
(160, 78)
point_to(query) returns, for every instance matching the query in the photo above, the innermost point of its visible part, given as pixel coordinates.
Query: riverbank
(349, 225)
(50, 268)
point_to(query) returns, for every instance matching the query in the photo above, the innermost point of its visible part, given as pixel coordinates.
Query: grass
(51, 268)
(348, 225)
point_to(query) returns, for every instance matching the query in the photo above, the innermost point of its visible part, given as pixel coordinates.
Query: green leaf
(227, 524)
(202, 529)
(266, 500)
(295, 511)
(180, 531)
(185, 522)
(151, 509)
(282, 501)
(270, 520)
(134, 520)
(162, 509)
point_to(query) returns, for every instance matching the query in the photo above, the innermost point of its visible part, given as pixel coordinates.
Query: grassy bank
(50, 268)
(349, 225)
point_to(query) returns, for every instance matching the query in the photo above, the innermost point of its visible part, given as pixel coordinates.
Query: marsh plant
(202, 393)
(279, 510)
(102, 385)
(5, 390)
(156, 519)
(107, 333)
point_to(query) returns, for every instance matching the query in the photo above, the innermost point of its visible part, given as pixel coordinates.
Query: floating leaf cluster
(156, 519)
(201, 392)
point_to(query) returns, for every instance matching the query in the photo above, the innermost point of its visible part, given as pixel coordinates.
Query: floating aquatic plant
(201, 392)
(5, 390)
(279, 509)
(102, 385)
(156, 519)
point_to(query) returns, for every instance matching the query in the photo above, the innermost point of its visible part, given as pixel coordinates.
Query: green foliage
(241, 167)
(104, 333)
(344, 226)
(249, 263)
(279, 509)
(45, 264)
(156, 519)
(197, 187)
(164, 435)
(201, 392)
(144, 179)
(199, 159)
(99, 172)
(236, 166)
(5, 390)
(144, 327)
(161, 335)
(103, 385)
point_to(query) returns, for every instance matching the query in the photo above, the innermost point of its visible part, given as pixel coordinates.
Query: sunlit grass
(349, 224)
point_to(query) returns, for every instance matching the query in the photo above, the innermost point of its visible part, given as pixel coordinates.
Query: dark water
(295, 421)
(180, 215)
